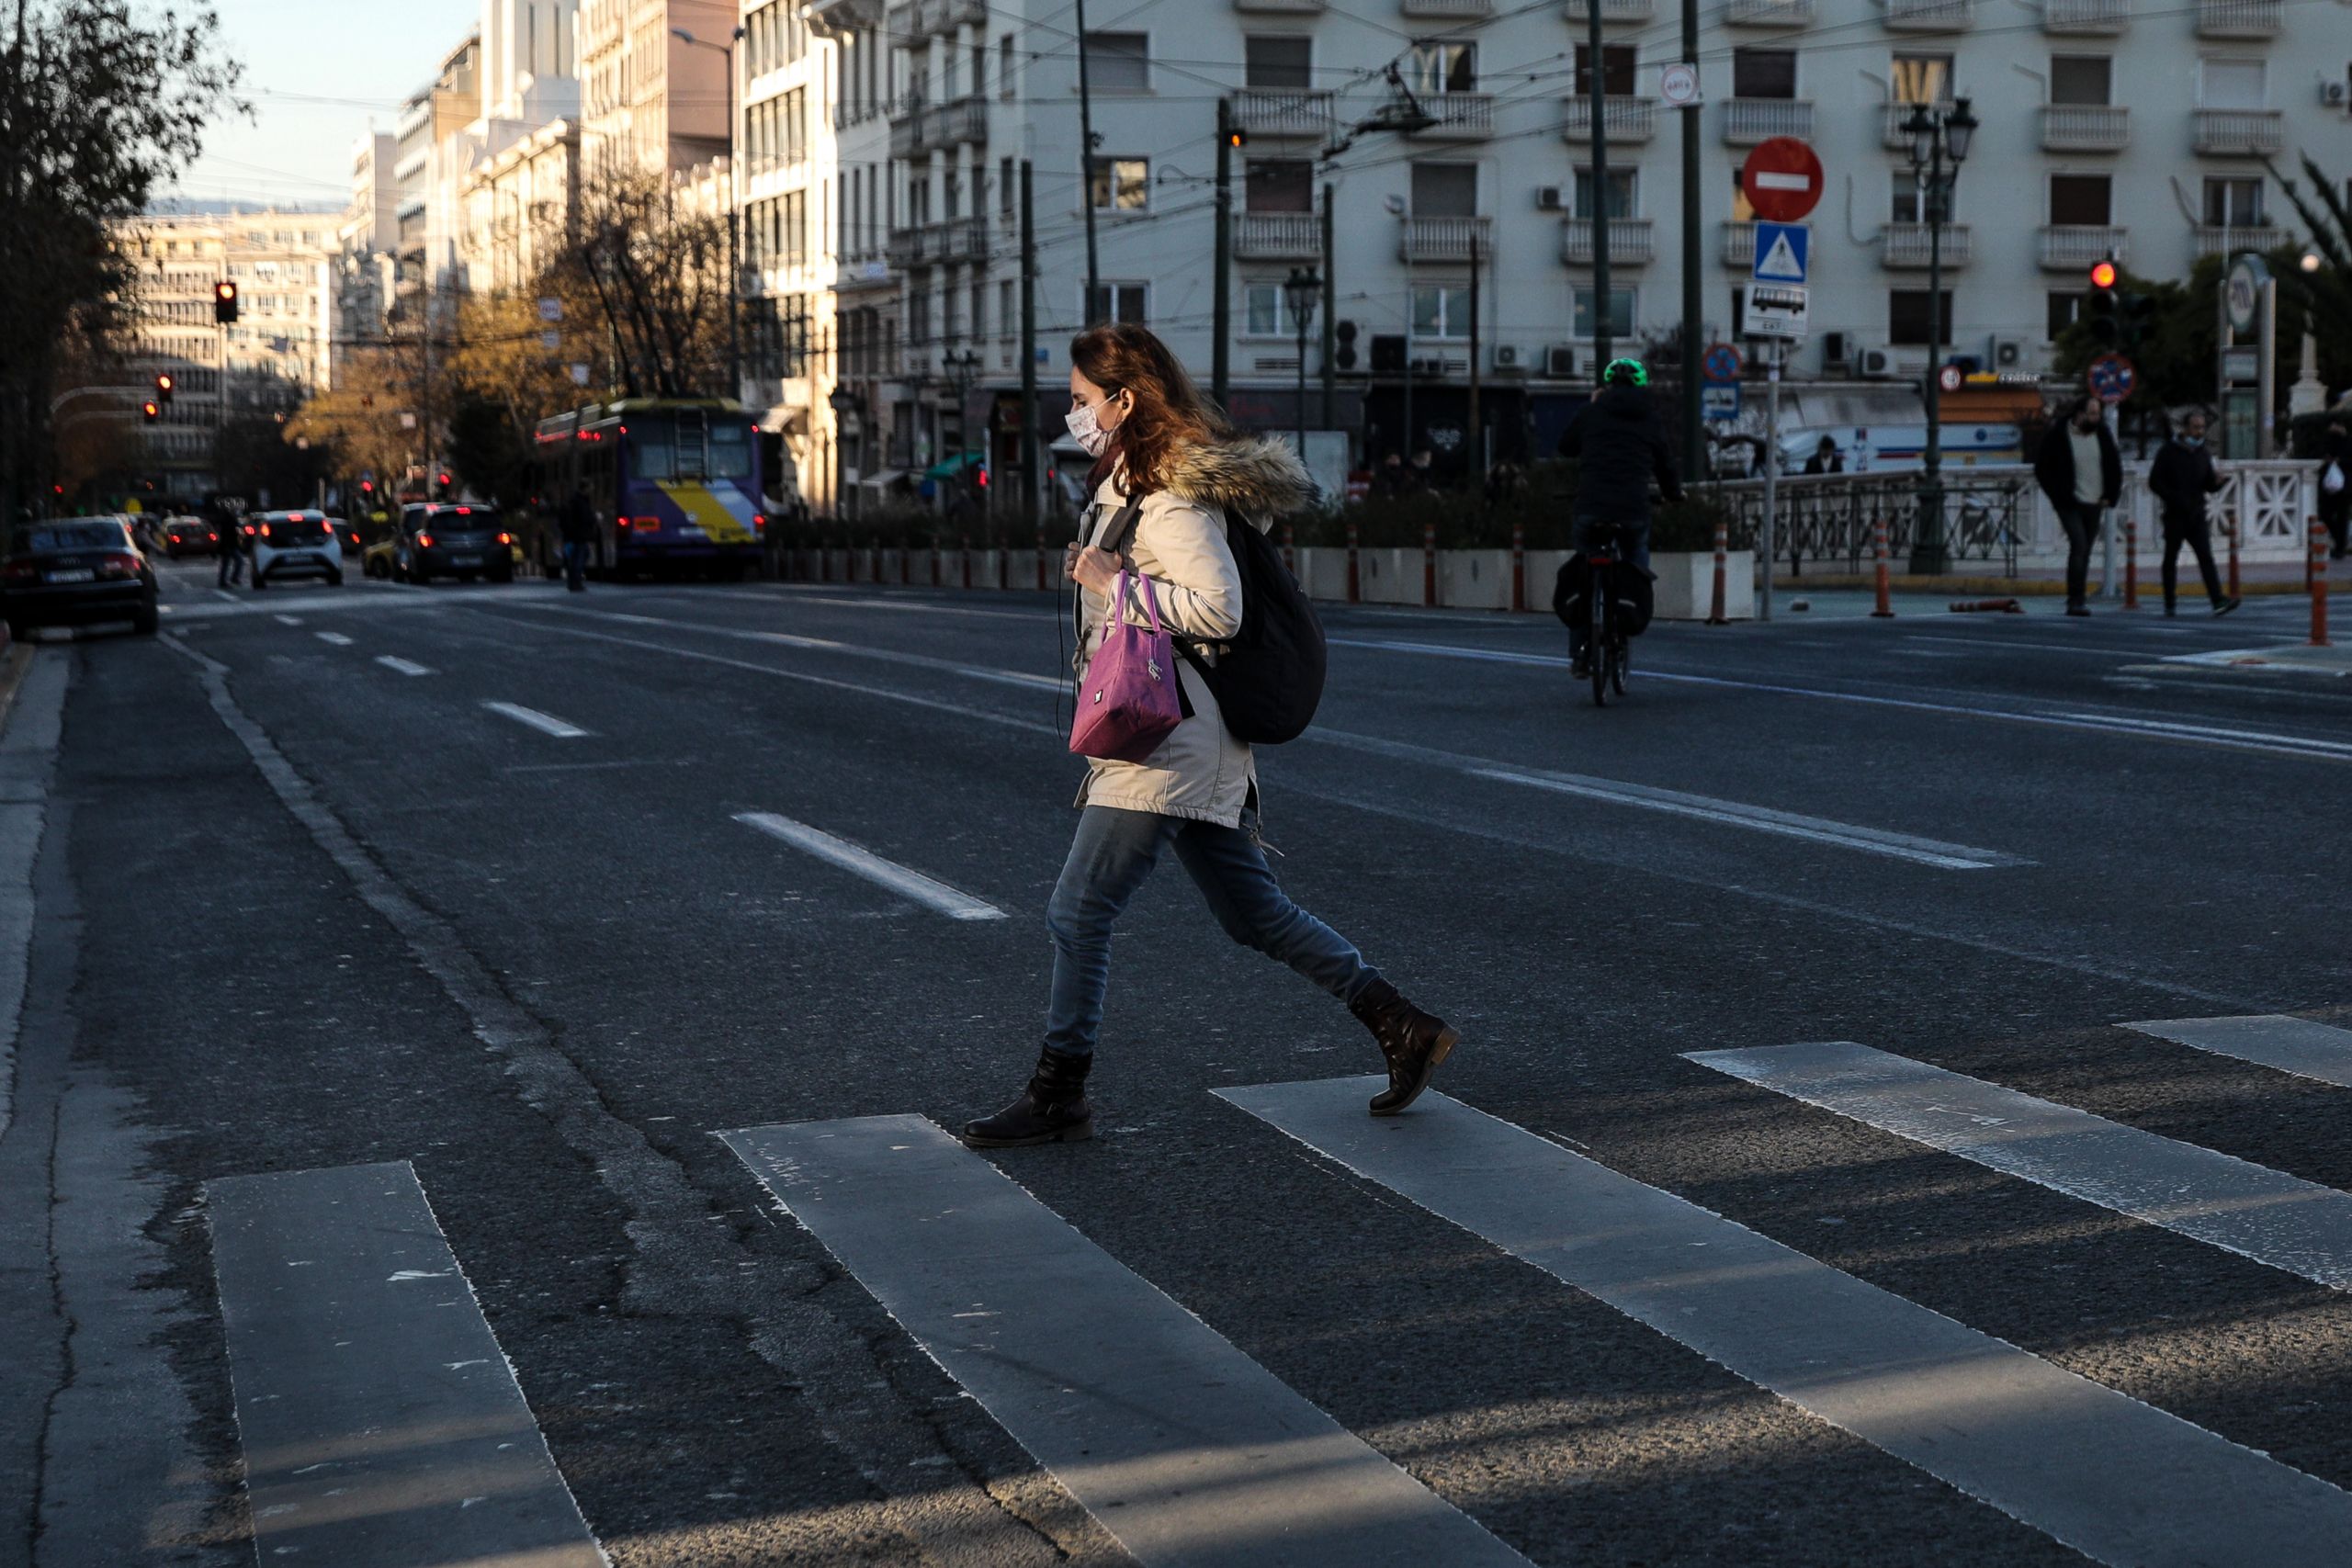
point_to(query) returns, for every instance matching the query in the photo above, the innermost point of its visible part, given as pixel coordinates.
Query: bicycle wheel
(1600, 646)
(1620, 660)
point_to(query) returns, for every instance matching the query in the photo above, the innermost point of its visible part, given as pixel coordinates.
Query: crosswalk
(370, 1388)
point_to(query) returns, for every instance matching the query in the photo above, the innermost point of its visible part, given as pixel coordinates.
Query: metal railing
(2085, 128)
(1633, 241)
(1443, 239)
(1930, 16)
(1277, 236)
(1629, 119)
(1739, 244)
(2086, 16)
(1828, 522)
(1307, 7)
(1461, 114)
(1905, 245)
(2239, 132)
(2240, 18)
(2070, 247)
(1613, 10)
(1262, 111)
(2223, 238)
(1449, 7)
(1748, 121)
(1769, 13)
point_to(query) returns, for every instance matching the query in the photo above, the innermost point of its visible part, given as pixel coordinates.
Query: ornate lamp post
(1300, 292)
(1939, 136)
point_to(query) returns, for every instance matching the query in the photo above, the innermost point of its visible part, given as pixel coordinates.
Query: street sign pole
(1768, 534)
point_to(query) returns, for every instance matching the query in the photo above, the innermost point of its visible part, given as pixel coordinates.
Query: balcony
(1769, 13)
(1580, 11)
(2085, 128)
(2240, 18)
(1748, 121)
(1289, 7)
(1632, 242)
(966, 119)
(1461, 114)
(1456, 9)
(940, 15)
(1905, 245)
(838, 18)
(2071, 247)
(1277, 236)
(2239, 134)
(1739, 245)
(932, 245)
(1443, 239)
(1930, 16)
(1628, 119)
(1263, 112)
(2086, 16)
(2227, 240)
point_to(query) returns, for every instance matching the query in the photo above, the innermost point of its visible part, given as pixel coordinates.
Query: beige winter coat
(1199, 770)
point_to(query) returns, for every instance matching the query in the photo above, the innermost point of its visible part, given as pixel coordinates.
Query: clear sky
(317, 72)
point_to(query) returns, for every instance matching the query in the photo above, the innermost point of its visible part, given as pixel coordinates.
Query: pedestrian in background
(1825, 458)
(2180, 479)
(578, 534)
(1164, 449)
(2080, 469)
(2335, 487)
(230, 528)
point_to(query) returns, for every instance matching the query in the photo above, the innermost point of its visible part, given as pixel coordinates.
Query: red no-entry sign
(1782, 179)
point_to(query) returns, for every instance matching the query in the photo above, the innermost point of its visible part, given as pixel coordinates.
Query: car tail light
(425, 541)
(465, 512)
(211, 538)
(645, 522)
(505, 539)
(265, 530)
(19, 572)
(119, 566)
(759, 523)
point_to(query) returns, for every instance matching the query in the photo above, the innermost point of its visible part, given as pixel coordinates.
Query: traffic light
(152, 409)
(1235, 137)
(2099, 308)
(2137, 313)
(164, 385)
(443, 480)
(224, 302)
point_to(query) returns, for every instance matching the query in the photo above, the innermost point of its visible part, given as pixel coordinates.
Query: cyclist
(1621, 446)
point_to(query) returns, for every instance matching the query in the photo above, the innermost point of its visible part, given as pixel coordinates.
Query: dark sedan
(76, 570)
(191, 537)
(463, 542)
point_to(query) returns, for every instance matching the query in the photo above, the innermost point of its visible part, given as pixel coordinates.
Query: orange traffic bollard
(1718, 614)
(2130, 564)
(2319, 583)
(1885, 610)
(1356, 593)
(1519, 566)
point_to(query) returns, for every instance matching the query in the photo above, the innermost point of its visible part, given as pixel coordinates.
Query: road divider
(933, 895)
(545, 723)
(401, 666)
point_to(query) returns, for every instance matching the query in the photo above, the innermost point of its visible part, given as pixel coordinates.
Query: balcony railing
(1268, 112)
(1769, 13)
(2240, 18)
(939, 16)
(1748, 121)
(2086, 16)
(957, 240)
(2071, 247)
(1629, 119)
(1632, 242)
(1443, 239)
(2224, 240)
(1449, 7)
(1930, 16)
(1461, 114)
(1739, 244)
(1293, 7)
(2085, 128)
(2239, 134)
(1905, 245)
(1613, 10)
(916, 127)
(1277, 236)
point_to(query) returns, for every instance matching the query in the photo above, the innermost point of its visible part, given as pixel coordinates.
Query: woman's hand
(1096, 571)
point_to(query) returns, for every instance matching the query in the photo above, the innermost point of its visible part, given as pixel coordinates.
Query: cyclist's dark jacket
(1622, 448)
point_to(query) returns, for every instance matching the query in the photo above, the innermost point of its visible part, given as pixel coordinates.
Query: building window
(1004, 177)
(1445, 190)
(1119, 302)
(1441, 312)
(2064, 307)
(2233, 203)
(1433, 69)
(1004, 61)
(2231, 84)
(1620, 193)
(1279, 184)
(2083, 200)
(1122, 185)
(1921, 78)
(1763, 73)
(1616, 70)
(1906, 317)
(1118, 62)
(1620, 313)
(793, 216)
(1268, 311)
(1004, 310)
(2082, 79)
(1282, 64)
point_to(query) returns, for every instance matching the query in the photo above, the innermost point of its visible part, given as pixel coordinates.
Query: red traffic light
(2103, 274)
(164, 381)
(152, 410)
(366, 487)
(224, 291)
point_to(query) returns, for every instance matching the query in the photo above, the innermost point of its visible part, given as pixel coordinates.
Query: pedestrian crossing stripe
(2117, 1480)
(2296, 1045)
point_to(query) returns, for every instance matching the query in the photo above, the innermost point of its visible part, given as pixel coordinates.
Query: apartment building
(521, 186)
(872, 429)
(367, 244)
(434, 156)
(651, 99)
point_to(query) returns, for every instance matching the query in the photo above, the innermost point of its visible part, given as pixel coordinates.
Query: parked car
(293, 543)
(449, 540)
(191, 537)
(347, 536)
(76, 570)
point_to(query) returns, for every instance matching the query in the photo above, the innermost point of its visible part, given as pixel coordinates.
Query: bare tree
(655, 269)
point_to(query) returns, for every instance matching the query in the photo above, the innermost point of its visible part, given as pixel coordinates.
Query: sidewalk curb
(2014, 587)
(16, 660)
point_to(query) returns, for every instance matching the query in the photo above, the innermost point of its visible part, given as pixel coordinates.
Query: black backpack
(1269, 679)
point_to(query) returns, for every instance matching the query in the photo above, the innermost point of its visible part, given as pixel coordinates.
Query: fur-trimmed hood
(1257, 476)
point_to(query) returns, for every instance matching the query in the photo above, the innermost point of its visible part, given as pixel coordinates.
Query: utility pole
(1597, 94)
(1031, 477)
(1331, 327)
(1221, 290)
(1086, 162)
(1477, 429)
(1694, 442)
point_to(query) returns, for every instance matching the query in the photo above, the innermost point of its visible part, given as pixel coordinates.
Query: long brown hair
(1168, 408)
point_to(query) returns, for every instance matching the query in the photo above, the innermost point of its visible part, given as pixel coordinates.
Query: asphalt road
(458, 878)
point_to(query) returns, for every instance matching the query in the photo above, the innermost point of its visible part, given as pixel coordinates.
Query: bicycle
(1607, 646)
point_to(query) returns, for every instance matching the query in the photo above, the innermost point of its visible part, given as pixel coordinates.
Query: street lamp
(1939, 141)
(1300, 292)
(734, 210)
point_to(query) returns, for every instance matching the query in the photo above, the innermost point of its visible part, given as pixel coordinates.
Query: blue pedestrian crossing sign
(1782, 252)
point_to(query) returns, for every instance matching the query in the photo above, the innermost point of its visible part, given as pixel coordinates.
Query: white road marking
(334, 639)
(2000, 640)
(288, 620)
(371, 1394)
(401, 666)
(860, 861)
(545, 723)
(1184, 1449)
(2217, 1199)
(2294, 1045)
(2115, 1479)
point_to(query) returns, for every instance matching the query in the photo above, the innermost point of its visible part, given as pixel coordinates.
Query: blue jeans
(575, 562)
(1114, 850)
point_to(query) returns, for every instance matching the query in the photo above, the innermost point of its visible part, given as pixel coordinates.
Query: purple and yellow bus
(674, 481)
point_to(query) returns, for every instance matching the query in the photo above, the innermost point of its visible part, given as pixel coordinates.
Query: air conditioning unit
(2009, 354)
(1509, 359)
(1837, 350)
(1547, 198)
(2335, 95)
(1560, 362)
(1881, 365)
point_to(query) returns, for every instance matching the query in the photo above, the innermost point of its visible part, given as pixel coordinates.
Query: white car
(293, 543)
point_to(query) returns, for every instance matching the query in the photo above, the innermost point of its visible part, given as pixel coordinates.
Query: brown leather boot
(1051, 1110)
(1414, 1043)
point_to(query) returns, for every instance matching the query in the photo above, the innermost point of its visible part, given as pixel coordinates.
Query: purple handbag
(1128, 703)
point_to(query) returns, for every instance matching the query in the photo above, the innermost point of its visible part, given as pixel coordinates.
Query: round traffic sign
(1678, 84)
(1782, 179)
(2112, 378)
(1950, 378)
(1720, 363)
(2243, 292)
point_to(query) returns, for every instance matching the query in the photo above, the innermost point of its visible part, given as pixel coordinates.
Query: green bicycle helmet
(1625, 372)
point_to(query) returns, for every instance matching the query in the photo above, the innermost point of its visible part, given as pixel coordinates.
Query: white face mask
(1084, 430)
